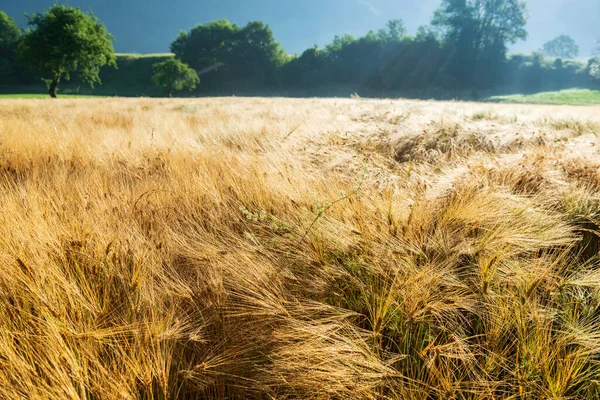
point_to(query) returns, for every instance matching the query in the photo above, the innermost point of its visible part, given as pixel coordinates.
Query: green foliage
(479, 31)
(131, 78)
(537, 58)
(563, 46)
(462, 54)
(9, 33)
(9, 37)
(388, 59)
(173, 76)
(489, 22)
(594, 68)
(63, 40)
(394, 31)
(206, 45)
(427, 32)
(6, 68)
(231, 53)
(533, 73)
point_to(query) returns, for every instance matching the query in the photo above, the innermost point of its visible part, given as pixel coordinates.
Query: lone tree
(563, 46)
(9, 37)
(173, 76)
(64, 39)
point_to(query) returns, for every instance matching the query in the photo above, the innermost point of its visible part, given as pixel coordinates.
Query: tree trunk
(53, 86)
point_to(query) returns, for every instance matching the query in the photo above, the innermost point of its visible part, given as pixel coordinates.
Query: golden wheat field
(242, 248)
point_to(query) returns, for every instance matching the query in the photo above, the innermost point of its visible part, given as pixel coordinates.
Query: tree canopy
(63, 40)
(206, 44)
(173, 76)
(9, 37)
(9, 32)
(480, 31)
(563, 46)
(483, 22)
(394, 31)
(229, 51)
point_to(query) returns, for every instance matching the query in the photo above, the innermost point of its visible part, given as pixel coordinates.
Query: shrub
(173, 76)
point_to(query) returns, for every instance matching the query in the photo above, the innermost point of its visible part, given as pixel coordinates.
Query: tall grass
(250, 248)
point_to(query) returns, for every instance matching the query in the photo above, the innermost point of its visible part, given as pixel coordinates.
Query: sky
(149, 26)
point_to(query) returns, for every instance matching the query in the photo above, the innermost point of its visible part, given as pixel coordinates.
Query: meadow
(236, 248)
(577, 97)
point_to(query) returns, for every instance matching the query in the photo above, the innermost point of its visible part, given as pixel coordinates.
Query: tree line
(464, 48)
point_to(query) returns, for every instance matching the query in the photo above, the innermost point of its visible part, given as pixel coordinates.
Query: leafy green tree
(563, 46)
(9, 33)
(480, 31)
(9, 37)
(231, 53)
(206, 45)
(63, 40)
(256, 54)
(340, 42)
(173, 76)
(487, 22)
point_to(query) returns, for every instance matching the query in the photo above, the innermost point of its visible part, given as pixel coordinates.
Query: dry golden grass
(314, 249)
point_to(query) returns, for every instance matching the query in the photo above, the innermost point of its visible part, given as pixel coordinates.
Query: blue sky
(148, 26)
